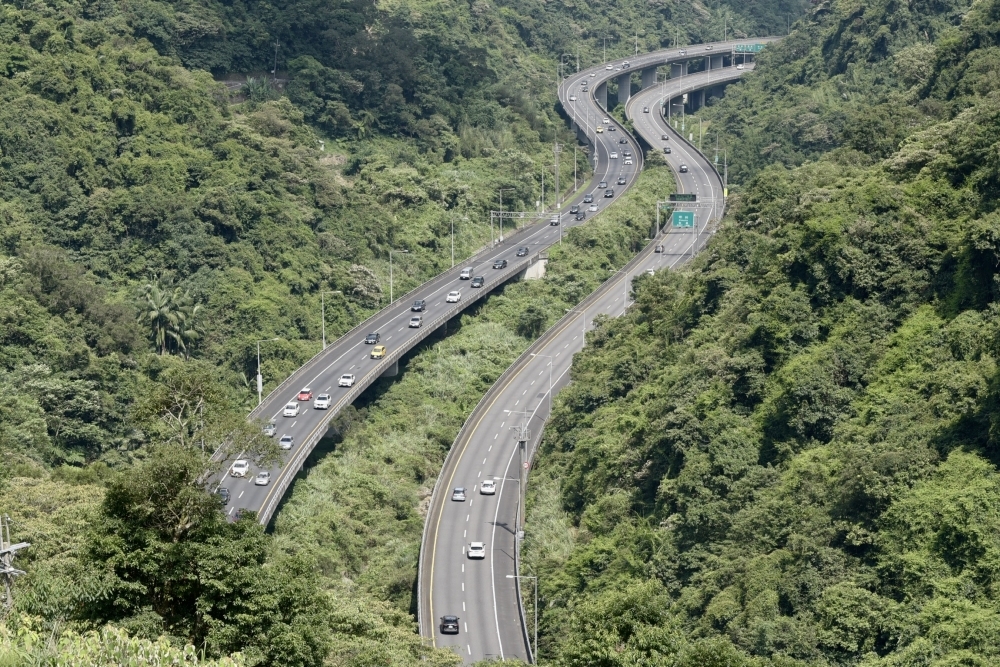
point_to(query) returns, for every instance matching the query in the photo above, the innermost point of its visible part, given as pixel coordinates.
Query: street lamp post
(501, 211)
(550, 377)
(584, 313)
(402, 252)
(535, 579)
(260, 382)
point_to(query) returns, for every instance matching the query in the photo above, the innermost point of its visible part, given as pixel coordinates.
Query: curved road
(481, 592)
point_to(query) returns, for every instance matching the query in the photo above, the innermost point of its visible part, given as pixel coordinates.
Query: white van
(466, 273)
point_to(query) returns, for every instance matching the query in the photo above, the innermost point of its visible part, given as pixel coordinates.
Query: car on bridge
(466, 273)
(602, 184)
(623, 140)
(270, 429)
(500, 264)
(609, 193)
(477, 550)
(588, 198)
(683, 169)
(458, 494)
(322, 402)
(240, 468)
(554, 222)
(372, 339)
(612, 129)
(453, 296)
(593, 208)
(658, 248)
(645, 109)
(224, 495)
(709, 47)
(628, 160)
(572, 98)
(614, 155)
(581, 216)
(740, 66)
(378, 352)
(665, 137)
(478, 281)
(449, 625)
(621, 180)
(346, 380)
(488, 487)
(585, 89)
(416, 321)
(291, 410)
(286, 442)
(305, 394)
(575, 208)
(418, 306)
(606, 121)
(263, 478)
(600, 130)
(522, 252)
(666, 150)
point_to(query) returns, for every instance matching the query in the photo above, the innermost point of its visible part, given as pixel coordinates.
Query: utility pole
(7, 570)
(575, 184)
(558, 149)
(274, 70)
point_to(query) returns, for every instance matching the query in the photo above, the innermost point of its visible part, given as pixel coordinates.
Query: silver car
(263, 478)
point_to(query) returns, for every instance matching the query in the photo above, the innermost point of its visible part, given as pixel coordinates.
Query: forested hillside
(787, 454)
(155, 223)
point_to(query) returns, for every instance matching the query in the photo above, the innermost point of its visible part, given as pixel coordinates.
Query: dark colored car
(585, 89)
(581, 215)
(371, 339)
(612, 129)
(666, 149)
(683, 169)
(588, 199)
(621, 180)
(418, 306)
(574, 209)
(500, 264)
(665, 137)
(449, 625)
(478, 281)
(521, 252)
(623, 140)
(658, 248)
(609, 193)
(602, 184)
(224, 495)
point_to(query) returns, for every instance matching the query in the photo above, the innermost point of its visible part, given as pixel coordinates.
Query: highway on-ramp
(482, 593)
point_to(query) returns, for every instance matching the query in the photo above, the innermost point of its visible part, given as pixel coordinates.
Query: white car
(593, 207)
(453, 296)
(740, 66)
(488, 487)
(477, 550)
(263, 478)
(285, 442)
(609, 67)
(322, 402)
(416, 321)
(240, 468)
(606, 121)
(291, 410)
(572, 98)
(346, 380)
(628, 160)
(614, 156)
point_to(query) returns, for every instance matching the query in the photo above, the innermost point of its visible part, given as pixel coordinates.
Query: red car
(306, 394)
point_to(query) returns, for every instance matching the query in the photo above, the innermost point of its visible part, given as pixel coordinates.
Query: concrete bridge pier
(392, 371)
(624, 87)
(601, 95)
(678, 70)
(648, 77)
(715, 62)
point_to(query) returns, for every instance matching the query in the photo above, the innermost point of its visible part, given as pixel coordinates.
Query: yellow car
(378, 351)
(600, 130)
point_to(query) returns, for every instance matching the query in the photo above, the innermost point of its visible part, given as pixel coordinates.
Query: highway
(482, 593)
(350, 355)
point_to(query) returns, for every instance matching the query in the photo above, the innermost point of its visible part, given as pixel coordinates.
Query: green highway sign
(682, 196)
(683, 219)
(748, 48)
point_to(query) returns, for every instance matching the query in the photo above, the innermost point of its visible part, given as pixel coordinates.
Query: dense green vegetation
(786, 455)
(155, 224)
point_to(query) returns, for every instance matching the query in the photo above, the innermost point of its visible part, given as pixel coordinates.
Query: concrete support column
(601, 95)
(678, 70)
(648, 77)
(699, 99)
(716, 62)
(624, 87)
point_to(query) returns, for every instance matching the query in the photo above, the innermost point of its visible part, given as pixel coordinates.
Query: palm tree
(170, 316)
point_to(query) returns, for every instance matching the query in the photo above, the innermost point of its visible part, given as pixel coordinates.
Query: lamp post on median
(501, 210)
(402, 252)
(260, 383)
(464, 218)
(584, 313)
(535, 579)
(550, 377)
